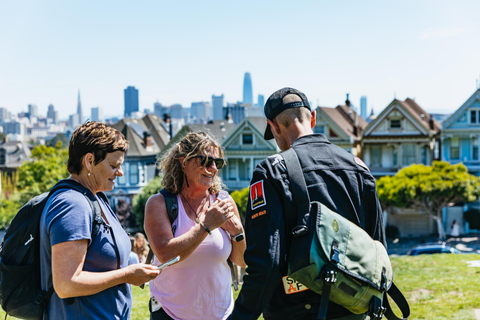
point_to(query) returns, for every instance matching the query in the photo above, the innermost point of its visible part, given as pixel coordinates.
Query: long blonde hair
(192, 145)
(143, 251)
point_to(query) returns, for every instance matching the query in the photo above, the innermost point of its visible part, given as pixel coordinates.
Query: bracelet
(208, 230)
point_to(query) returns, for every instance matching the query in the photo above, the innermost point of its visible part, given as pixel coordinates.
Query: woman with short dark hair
(94, 273)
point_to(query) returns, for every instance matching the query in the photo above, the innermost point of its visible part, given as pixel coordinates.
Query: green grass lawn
(438, 287)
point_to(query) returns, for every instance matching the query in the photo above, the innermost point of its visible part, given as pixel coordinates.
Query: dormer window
(247, 138)
(395, 124)
(474, 117)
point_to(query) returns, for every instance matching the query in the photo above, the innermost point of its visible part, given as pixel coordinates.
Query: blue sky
(184, 51)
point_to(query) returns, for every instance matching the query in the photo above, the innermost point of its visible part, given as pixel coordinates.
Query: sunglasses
(207, 161)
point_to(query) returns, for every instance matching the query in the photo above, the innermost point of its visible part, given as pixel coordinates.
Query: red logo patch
(361, 163)
(257, 195)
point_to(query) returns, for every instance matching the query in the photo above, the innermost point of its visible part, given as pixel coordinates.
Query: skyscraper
(32, 111)
(79, 109)
(217, 105)
(261, 101)
(97, 114)
(131, 101)
(247, 89)
(157, 109)
(52, 114)
(363, 107)
(200, 111)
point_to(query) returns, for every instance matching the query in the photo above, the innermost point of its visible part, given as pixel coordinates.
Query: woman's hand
(233, 226)
(139, 273)
(220, 212)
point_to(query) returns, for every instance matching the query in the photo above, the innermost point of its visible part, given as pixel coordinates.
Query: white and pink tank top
(199, 286)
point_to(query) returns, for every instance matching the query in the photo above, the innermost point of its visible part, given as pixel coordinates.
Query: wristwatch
(239, 237)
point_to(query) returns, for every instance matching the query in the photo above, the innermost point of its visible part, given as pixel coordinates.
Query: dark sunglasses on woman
(207, 161)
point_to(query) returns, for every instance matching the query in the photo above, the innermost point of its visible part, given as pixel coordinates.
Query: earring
(186, 180)
(88, 174)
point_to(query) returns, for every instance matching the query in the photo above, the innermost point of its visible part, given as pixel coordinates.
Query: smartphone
(169, 262)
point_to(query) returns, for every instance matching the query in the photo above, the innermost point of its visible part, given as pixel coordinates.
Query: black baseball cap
(276, 104)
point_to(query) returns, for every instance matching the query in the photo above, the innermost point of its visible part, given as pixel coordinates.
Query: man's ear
(313, 119)
(274, 126)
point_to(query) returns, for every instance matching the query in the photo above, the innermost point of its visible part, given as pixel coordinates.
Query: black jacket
(334, 177)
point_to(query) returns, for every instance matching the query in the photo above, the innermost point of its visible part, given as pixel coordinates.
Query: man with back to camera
(333, 176)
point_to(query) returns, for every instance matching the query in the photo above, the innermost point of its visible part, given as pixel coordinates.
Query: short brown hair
(192, 145)
(93, 137)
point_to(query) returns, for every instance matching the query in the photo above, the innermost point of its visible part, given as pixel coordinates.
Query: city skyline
(186, 52)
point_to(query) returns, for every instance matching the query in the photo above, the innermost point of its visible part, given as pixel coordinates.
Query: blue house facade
(460, 135)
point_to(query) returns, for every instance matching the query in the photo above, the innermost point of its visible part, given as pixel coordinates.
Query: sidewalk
(401, 246)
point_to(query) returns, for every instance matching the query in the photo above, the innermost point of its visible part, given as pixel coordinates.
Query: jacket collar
(316, 138)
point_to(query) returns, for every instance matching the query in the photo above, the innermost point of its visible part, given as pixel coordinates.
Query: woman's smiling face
(105, 173)
(199, 175)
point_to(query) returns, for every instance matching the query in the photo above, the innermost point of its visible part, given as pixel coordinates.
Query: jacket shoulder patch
(257, 195)
(361, 163)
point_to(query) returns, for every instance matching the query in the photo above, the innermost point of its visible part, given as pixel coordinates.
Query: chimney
(147, 139)
(430, 122)
(347, 102)
(168, 120)
(355, 124)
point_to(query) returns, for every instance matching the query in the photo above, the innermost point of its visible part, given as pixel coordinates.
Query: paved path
(468, 243)
(477, 314)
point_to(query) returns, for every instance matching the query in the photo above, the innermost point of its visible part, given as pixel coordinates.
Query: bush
(139, 200)
(241, 199)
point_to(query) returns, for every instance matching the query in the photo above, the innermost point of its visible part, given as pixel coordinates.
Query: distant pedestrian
(455, 230)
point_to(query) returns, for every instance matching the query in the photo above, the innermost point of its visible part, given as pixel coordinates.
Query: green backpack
(337, 259)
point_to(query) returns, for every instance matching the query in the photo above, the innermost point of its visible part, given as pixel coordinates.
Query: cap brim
(268, 135)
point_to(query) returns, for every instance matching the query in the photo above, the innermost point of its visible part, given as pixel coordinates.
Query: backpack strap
(97, 220)
(399, 300)
(298, 187)
(171, 204)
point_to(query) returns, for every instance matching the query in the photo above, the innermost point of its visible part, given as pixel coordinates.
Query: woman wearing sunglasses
(205, 234)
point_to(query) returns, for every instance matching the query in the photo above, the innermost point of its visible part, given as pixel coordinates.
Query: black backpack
(20, 289)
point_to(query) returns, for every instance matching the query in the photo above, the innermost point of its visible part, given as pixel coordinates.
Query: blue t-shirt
(67, 216)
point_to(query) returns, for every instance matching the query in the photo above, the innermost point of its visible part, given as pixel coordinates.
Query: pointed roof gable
(416, 116)
(460, 111)
(218, 129)
(343, 117)
(421, 115)
(134, 129)
(257, 125)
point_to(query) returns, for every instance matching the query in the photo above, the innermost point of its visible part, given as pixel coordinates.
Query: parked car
(432, 248)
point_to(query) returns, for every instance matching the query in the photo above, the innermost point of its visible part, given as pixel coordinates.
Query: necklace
(199, 208)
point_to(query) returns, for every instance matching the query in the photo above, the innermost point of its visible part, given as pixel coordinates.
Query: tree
(241, 200)
(430, 188)
(47, 166)
(59, 138)
(140, 199)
